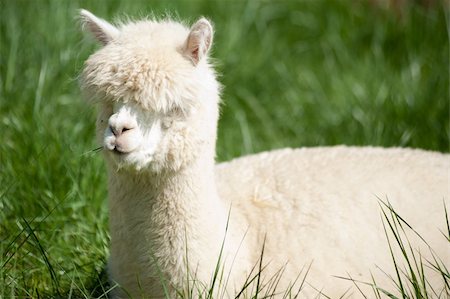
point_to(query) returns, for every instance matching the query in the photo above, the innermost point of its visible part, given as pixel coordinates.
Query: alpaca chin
(130, 163)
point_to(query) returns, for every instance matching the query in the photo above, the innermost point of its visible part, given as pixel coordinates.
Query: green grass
(410, 279)
(296, 73)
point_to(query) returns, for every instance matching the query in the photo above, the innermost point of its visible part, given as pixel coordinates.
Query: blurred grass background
(296, 73)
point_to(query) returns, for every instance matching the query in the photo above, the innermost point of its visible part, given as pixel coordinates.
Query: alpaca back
(323, 206)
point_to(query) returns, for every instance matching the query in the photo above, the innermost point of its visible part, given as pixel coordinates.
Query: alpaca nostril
(117, 131)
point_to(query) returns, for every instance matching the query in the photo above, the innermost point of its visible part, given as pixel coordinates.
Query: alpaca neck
(167, 218)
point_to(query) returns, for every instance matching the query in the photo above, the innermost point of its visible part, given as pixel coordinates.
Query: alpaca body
(322, 206)
(327, 218)
(175, 216)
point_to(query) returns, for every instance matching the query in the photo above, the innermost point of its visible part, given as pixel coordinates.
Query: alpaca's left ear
(103, 31)
(199, 40)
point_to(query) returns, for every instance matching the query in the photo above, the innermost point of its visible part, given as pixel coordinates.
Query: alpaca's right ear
(103, 31)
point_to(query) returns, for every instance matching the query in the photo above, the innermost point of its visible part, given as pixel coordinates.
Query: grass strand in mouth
(94, 151)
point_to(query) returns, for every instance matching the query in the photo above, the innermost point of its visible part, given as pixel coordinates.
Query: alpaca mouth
(117, 151)
(133, 160)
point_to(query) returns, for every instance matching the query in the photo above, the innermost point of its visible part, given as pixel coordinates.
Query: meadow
(295, 73)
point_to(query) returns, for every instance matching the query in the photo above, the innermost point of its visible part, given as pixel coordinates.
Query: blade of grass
(399, 279)
(45, 257)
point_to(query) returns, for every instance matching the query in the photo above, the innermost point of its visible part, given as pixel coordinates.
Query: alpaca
(301, 217)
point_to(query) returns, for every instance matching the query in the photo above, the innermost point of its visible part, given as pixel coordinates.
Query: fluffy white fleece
(172, 208)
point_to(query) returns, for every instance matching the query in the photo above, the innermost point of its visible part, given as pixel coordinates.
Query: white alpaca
(169, 204)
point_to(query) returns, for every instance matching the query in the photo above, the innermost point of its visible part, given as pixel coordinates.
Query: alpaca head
(156, 92)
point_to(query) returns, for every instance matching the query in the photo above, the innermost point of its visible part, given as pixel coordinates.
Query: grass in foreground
(296, 73)
(412, 269)
(410, 266)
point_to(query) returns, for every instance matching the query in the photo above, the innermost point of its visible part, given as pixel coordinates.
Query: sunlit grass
(295, 73)
(411, 268)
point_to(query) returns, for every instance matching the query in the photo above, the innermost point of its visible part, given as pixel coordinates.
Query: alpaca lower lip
(117, 151)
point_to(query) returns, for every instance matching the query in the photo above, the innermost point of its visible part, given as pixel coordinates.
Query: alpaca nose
(120, 126)
(119, 130)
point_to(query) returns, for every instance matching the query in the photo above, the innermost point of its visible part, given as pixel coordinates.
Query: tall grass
(296, 73)
(411, 268)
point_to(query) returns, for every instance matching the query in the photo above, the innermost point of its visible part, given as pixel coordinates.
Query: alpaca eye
(167, 123)
(176, 112)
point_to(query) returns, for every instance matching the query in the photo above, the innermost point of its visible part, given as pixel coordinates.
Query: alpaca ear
(103, 31)
(199, 40)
